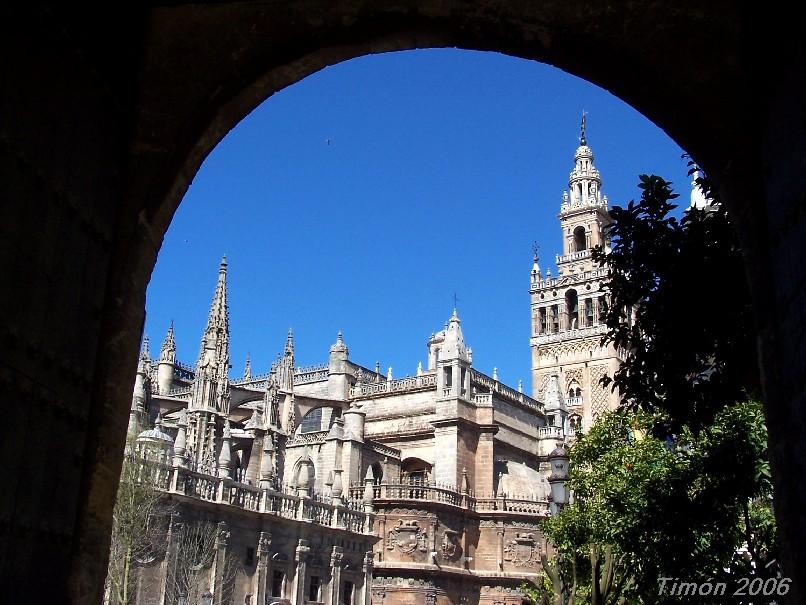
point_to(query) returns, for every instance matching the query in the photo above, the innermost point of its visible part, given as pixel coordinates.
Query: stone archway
(112, 116)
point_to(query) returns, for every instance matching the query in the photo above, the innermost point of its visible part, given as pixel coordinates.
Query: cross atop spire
(582, 127)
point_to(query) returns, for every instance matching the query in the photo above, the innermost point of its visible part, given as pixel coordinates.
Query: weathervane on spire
(582, 127)
(536, 251)
(455, 300)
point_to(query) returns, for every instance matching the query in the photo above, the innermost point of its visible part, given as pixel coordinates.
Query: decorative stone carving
(222, 537)
(408, 536)
(409, 511)
(599, 392)
(264, 542)
(523, 551)
(451, 549)
(431, 598)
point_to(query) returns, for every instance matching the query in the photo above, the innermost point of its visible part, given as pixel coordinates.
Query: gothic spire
(247, 368)
(211, 381)
(215, 342)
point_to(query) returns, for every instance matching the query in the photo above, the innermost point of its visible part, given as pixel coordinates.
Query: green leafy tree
(679, 308)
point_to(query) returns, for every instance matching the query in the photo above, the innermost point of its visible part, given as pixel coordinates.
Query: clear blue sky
(365, 196)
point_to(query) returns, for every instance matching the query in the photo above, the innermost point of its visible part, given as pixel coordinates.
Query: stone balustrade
(352, 515)
(550, 432)
(527, 504)
(579, 255)
(549, 282)
(504, 391)
(401, 385)
(567, 334)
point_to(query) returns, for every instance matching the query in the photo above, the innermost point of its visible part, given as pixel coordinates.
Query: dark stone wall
(107, 115)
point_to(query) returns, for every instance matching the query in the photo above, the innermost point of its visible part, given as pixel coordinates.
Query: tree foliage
(138, 530)
(690, 342)
(148, 528)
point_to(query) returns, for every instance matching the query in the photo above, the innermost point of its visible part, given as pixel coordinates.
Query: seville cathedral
(341, 485)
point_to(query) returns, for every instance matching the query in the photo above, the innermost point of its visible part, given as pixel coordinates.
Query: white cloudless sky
(364, 197)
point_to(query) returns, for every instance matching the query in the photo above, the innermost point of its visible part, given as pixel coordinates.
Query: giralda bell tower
(567, 310)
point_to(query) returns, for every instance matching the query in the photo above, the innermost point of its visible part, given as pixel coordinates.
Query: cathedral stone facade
(338, 484)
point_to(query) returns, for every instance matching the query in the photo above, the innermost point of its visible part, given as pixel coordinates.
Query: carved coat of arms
(522, 551)
(451, 547)
(408, 536)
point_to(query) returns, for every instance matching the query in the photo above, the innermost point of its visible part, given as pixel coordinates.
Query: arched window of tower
(572, 308)
(580, 243)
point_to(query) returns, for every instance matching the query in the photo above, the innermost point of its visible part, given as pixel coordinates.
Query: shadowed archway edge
(147, 97)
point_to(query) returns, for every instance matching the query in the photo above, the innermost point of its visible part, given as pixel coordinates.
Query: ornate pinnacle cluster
(145, 353)
(247, 368)
(168, 350)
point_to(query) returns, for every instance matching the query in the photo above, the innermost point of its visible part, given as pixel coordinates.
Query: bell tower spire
(583, 212)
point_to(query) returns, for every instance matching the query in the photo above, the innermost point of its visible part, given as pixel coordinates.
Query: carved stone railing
(573, 401)
(548, 432)
(314, 438)
(197, 485)
(401, 385)
(566, 334)
(184, 371)
(482, 398)
(414, 491)
(504, 391)
(513, 504)
(245, 496)
(308, 374)
(549, 282)
(573, 256)
(157, 474)
(528, 504)
(352, 515)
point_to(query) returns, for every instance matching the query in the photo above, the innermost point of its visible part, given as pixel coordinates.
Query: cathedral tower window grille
(542, 320)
